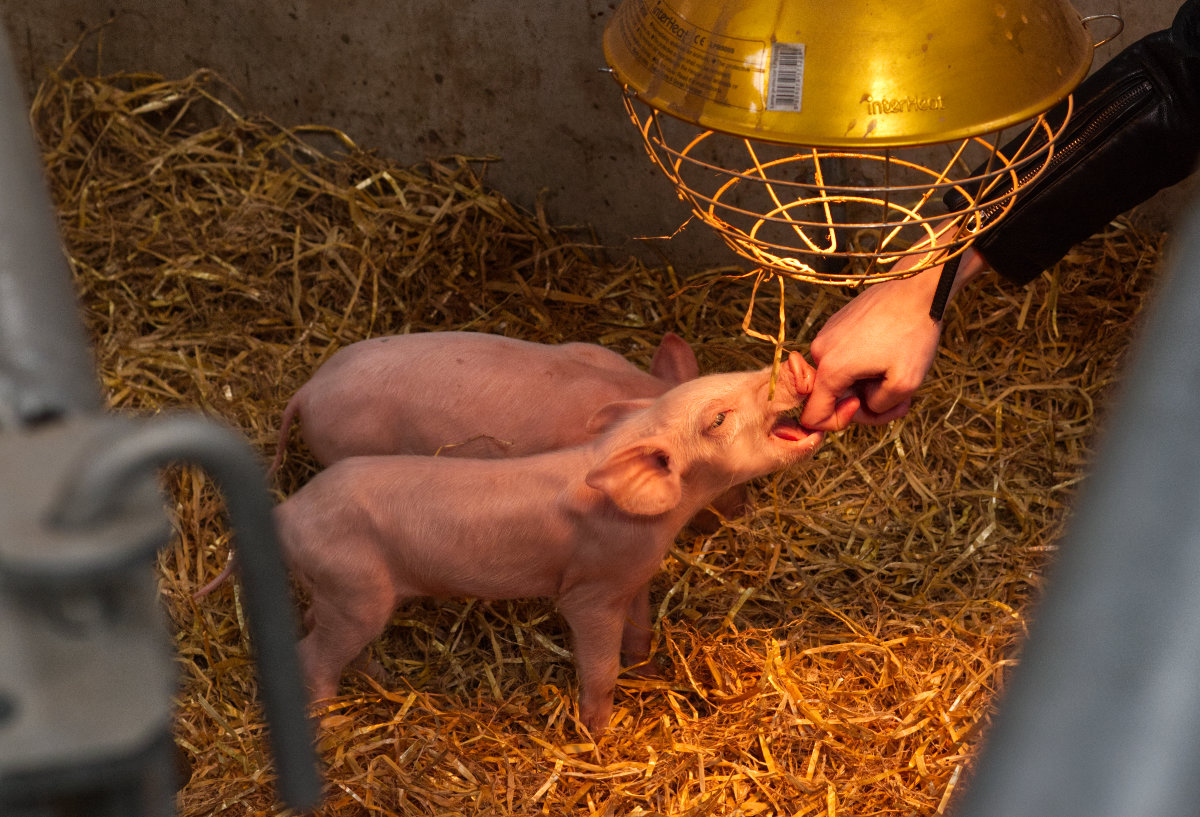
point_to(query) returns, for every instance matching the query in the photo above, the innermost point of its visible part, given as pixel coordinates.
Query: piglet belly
(480, 543)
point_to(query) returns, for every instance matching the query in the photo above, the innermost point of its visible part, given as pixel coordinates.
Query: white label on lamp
(785, 83)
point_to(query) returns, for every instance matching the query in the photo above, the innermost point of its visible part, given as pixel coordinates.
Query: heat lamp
(854, 141)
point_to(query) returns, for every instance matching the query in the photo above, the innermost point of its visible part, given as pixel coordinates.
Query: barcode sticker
(785, 83)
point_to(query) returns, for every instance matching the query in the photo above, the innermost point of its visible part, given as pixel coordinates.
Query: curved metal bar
(96, 489)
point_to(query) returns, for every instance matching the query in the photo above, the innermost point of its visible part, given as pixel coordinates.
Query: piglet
(471, 394)
(468, 394)
(587, 526)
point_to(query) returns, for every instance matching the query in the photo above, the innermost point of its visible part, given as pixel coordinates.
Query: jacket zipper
(1113, 110)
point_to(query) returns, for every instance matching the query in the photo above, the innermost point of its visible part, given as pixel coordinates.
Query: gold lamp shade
(849, 72)
(833, 140)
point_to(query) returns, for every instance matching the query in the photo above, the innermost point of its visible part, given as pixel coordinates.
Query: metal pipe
(98, 485)
(84, 675)
(46, 368)
(1102, 715)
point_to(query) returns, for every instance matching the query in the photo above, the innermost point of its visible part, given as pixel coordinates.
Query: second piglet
(468, 394)
(587, 526)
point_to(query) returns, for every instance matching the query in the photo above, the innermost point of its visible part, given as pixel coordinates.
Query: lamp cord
(942, 294)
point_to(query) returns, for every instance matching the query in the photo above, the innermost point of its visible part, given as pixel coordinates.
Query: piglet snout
(796, 378)
(803, 375)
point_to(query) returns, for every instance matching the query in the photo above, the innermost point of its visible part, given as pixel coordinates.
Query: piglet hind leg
(342, 625)
(597, 623)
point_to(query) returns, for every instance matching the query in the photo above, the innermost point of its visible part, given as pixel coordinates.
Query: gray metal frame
(1102, 715)
(86, 670)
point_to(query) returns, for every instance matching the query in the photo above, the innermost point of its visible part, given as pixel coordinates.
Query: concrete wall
(417, 78)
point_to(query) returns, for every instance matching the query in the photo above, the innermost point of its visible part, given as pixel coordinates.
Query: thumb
(827, 407)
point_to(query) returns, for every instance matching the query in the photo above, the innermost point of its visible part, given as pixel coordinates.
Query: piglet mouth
(788, 428)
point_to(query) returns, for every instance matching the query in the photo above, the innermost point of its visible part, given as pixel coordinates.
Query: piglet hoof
(369, 667)
(596, 723)
(645, 670)
(729, 505)
(320, 690)
(595, 711)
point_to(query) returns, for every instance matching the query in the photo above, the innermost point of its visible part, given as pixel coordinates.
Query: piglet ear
(674, 361)
(610, 413)
(639, 479)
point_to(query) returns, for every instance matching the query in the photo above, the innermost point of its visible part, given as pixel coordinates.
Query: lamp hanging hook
(1120, 26)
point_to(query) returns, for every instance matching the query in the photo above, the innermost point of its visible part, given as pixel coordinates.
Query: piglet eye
(720, 419)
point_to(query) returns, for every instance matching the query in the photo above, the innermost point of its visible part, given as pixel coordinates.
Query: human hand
(873, 354)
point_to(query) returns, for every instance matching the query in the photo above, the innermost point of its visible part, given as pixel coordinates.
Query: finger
(882, 395)
(845, 413)
(871, 418)
(820, 409)
(839, 419)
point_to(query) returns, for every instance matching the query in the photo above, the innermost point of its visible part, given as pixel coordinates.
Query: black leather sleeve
(1135, 130)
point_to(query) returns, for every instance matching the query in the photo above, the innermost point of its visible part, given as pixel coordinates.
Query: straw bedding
(836, 650)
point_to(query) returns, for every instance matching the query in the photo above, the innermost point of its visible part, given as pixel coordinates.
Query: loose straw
(836, 649)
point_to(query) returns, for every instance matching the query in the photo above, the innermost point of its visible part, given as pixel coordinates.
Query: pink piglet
(468, 394)
(587, 526)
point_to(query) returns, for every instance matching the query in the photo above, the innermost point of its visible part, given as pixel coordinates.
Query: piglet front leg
(636, 636)
(597, 621)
